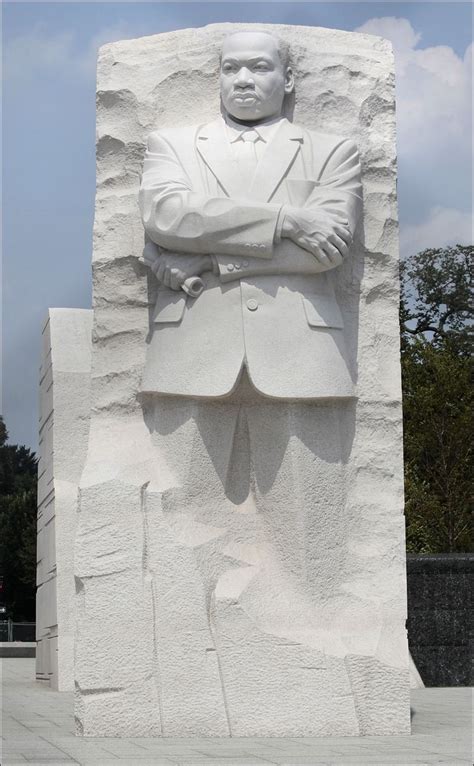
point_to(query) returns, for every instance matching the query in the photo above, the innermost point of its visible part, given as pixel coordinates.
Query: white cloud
(434, 91)
(434, 135)
(399, 31)
(443, 226)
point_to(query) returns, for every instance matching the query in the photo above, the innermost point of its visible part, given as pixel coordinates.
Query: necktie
(247, 154)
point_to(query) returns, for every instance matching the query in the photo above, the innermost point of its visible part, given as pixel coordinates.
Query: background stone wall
(63, 432)
(440, 623)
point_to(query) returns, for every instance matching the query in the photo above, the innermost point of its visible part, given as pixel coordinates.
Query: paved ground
(38, 728)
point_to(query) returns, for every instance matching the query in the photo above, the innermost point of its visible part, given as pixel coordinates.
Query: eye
(227, 68)
(261, 67)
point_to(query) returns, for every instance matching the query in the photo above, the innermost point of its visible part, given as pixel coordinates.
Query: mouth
(244, 96)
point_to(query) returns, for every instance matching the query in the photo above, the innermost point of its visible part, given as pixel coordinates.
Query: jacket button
(230, 267)
(252, 304)
(245, 264)
(237, 266)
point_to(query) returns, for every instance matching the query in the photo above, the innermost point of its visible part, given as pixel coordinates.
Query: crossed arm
(267, 238)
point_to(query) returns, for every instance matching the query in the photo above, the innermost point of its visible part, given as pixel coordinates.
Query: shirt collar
(265, 130)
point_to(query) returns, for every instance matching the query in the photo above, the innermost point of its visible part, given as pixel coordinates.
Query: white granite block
(64, 428)
(217, 596)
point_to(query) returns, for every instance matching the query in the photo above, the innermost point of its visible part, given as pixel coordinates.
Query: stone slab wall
(440, 622)
(64, 427)
(128, 544)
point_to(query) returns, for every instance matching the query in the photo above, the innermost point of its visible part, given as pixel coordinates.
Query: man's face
(253, 79)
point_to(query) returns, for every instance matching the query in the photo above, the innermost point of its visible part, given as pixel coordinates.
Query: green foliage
(436, 297)
(437, 371)
(18, 475)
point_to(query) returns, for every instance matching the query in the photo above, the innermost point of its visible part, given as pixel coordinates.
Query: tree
(436, 322)
(436, 298)
(18, 476)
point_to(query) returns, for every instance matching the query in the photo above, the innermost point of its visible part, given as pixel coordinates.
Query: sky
(48, 143)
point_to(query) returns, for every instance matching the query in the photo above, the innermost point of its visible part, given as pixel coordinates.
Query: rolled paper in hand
(193, 286)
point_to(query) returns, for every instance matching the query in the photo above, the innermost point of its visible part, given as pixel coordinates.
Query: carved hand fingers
(170, 276)
(334, 241)
(343, 232)
(160, 270)
(177, 278)
(322, 257)
(155, 266)
(328, 248)
(339, 243)
(315, 246)
(333, 253)
(326, 235)
(166, 272)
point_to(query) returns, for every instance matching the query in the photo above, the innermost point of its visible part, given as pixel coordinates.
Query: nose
(243, 78)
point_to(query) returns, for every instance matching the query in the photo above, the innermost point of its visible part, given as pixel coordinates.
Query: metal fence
(17, 631)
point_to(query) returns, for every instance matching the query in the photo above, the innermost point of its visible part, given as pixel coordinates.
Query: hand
(326, 236)
(171, 269)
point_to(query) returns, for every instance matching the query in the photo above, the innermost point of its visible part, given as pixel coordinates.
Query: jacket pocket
(322, 311)
(169, 306)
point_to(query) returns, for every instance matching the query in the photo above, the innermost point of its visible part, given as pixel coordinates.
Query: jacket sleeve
(179, 218)
(338, 191)
(339, 187)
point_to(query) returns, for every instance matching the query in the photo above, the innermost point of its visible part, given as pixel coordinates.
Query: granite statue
(239, 556)
(261, 208)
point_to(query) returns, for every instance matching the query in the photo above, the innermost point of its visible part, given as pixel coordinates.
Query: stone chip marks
(181, 647)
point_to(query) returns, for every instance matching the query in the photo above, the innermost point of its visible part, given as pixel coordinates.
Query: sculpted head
(255, 76)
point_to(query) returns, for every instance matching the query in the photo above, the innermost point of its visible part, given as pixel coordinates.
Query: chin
(249, 116)
(250, 113)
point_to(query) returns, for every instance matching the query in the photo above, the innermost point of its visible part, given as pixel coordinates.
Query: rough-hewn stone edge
(64, 400)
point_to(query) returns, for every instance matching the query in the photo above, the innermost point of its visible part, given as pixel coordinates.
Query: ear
(289, 80)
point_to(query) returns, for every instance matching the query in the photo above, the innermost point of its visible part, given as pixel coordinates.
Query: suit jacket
(271, 305)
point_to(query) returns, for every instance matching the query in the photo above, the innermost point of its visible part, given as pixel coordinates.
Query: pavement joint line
(440, 736)
(259, 759)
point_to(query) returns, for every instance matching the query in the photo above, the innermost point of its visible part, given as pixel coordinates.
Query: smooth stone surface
(269, 597)
(270, 307)
(38, 727)
(65, 376)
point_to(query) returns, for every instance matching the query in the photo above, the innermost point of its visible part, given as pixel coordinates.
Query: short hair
(284, 51)
(283, 47)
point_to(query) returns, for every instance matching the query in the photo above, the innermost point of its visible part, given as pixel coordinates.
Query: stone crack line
(147, 572)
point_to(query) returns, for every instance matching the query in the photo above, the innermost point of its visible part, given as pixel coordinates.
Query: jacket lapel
(215, 150)
(213, 146)
(275, 162)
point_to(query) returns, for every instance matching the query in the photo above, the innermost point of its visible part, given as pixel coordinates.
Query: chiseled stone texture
(187, 626)
(64, 427)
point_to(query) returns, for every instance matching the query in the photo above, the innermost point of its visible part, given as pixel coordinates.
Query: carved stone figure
(263, 208)
(239, 558)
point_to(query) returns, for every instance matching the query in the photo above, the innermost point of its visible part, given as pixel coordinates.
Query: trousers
(246, 518)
